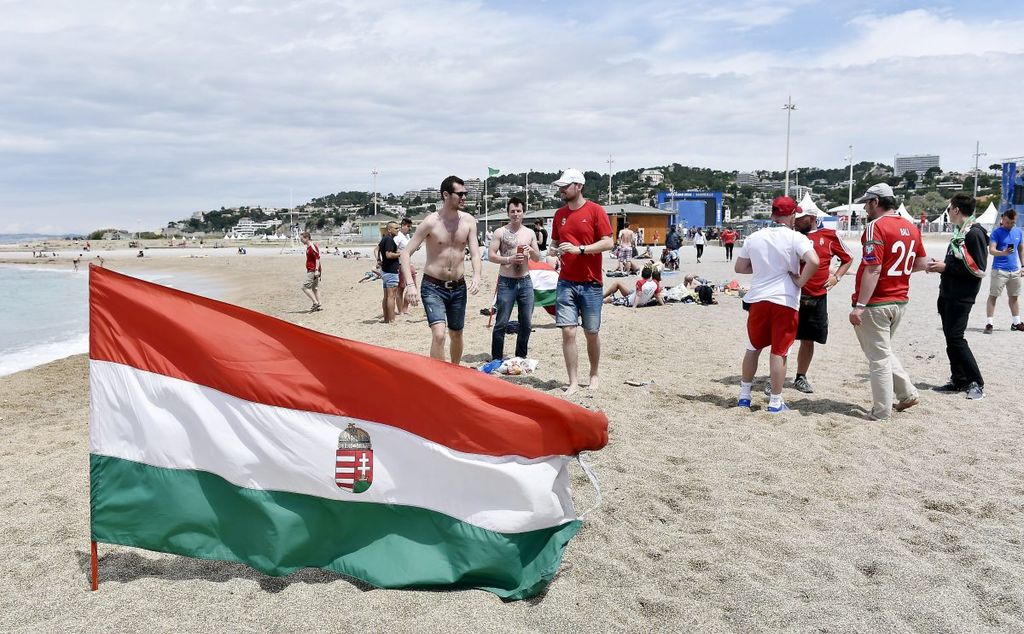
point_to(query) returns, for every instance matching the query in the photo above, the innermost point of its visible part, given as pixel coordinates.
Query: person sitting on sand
(645, 292)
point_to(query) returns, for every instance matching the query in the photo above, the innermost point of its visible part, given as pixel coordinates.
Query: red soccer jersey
(584, 226)
(729, 236)
(312, 257)
(827, 245)
(894, 243)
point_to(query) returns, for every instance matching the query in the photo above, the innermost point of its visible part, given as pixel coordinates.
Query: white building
(919, 163)
(247, 228)
(746, 178)
(652, 177)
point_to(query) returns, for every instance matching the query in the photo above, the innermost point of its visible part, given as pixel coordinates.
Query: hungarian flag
(545, 284)
(221, 433)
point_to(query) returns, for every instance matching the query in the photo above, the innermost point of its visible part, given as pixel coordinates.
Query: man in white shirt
(773, 255)
(402, 239)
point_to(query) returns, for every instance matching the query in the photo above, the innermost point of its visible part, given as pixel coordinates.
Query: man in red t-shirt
(813, 324)
(892, 252)
(311, 287)
(580, 233)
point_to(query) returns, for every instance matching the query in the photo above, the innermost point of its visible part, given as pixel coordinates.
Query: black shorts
(813, 325)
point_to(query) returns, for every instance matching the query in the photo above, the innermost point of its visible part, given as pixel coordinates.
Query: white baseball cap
(879, 190)
(570, 176)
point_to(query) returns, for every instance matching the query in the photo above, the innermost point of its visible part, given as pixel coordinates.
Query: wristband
(859, 305)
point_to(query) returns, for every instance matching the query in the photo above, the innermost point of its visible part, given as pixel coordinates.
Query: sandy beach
(712, 519)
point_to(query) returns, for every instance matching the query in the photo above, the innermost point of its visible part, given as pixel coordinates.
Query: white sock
(775, 400)
(1016, 319)
(745, 389)
(988, 321)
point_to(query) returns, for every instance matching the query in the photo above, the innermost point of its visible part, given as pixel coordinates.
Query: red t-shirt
(893, 242)
(827, 244)
(584, 226)
(312, 257)
(729, 236)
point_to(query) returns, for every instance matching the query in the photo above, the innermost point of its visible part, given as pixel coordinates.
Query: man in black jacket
(961, 275)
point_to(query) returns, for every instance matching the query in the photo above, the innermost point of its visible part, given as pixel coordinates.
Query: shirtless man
(446, 233)
(624, 250)
(510, 247)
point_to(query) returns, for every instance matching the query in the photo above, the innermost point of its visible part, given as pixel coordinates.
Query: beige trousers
(888, 378)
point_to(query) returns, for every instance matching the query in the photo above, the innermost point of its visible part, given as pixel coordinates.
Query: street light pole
(977, 154)
(849, 203)
(789, 108)
(609, 161)
(374, 172)
(527, 190)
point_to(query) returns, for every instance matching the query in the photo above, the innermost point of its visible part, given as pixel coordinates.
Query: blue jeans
(512, 290)
(575, 300)
(446, 305)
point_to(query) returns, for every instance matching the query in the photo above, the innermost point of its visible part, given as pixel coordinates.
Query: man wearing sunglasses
(580, 233)
(447, 232)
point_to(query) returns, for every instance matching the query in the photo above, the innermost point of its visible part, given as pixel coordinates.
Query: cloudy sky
(132, 113)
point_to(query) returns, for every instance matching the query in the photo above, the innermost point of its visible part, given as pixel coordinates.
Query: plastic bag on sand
(491, 366)
(518, 365)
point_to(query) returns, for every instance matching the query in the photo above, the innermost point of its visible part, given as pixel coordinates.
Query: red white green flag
(221, 433)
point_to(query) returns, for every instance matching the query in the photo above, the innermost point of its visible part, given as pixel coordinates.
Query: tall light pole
(977, 154)
(374, 172)
(609, 161)
(849, 202)
(789, 108)
(527, 190)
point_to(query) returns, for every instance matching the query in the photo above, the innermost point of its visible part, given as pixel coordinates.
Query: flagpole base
(94, 561)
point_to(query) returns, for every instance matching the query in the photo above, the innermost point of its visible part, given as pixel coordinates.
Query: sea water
(44, 312)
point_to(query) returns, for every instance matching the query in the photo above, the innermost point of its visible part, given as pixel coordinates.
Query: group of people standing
(791, 266)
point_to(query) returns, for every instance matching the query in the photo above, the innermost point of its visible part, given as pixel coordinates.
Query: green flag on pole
(492, 172)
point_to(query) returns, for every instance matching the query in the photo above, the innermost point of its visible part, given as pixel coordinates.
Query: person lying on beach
(371, 276)
(645, 292)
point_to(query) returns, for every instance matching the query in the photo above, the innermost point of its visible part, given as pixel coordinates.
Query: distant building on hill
(652, 177)
(919, 163)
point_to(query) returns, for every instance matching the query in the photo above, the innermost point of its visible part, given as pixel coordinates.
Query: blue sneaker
(743, 402)
(779, 409)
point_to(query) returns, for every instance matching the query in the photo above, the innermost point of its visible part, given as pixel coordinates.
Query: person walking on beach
(627, 242)
(387, 252)
(447, 233)
(580, 233)
(774, 256)
(699, 240)
(311, 287)
(729, 241)
(813, 322)
(510, 247)
(959, 282)
(891, 252)
(402, 240)
(1008, 249)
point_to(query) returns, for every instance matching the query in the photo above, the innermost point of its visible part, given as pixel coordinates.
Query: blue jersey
(1002, 238)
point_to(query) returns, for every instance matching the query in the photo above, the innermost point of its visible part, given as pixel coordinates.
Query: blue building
(1013, 191)
(693, 208)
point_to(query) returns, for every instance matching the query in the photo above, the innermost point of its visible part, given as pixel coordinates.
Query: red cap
(784, 206)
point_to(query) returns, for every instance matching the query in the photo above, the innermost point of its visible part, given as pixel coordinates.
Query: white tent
(903, 212)
(988, 218)
(941, 220)
(844, 210)
(808, 205)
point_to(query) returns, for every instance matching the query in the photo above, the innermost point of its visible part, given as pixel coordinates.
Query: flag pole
(95, 568)
(486, 178)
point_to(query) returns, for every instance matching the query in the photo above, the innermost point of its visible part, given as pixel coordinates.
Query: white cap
(879, 190)
(570, 176)
(801, 212)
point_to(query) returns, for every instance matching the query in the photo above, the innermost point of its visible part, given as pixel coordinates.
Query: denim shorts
(575, 300)
(446, 305)
(390, 280)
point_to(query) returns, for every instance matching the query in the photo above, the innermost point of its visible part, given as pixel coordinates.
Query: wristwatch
(582, 250)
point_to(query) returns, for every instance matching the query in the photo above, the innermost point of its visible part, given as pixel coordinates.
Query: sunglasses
(460, 194)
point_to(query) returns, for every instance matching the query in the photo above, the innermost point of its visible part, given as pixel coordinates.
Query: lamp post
(527, 190)
(789, 108)
(374, 172)
(977, 154)
(609, 161)
(849, 202)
